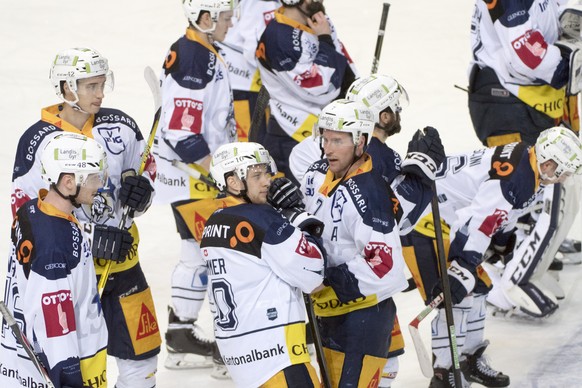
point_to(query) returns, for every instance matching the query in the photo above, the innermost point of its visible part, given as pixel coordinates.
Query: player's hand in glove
(461, 281)
(304, 221)
(136, 191)
(425, 155)
(111, 243)
(284, 194)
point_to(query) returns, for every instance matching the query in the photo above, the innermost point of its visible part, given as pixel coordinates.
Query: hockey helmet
(73, 64)
(237, 158)
(346, 116)
(378, 92)
(193, 9)
(74, 154)
(563, 147)
(291, 2)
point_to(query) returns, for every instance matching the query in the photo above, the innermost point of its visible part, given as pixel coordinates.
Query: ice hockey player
(238, 50)
(304, 67)
(524, 78)
(51, 286)
(81, 77)
(259, 262)
(362, 237)
(197, 117)
(481, 196)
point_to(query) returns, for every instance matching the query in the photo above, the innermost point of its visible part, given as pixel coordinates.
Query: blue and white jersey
(51, 290)
(258, 266)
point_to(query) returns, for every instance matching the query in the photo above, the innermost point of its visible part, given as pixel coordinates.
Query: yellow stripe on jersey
(142, 323)
(305, 129)
(335, 364)
(544, 98)
(426, 226)
(371, 371)
(242, 116)
(94, 370)
(499, 140)
(296, 343)
(327, 304)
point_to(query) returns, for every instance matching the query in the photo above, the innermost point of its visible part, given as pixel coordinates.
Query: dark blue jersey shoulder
(510, 13)
(511, 165)
(245, 227)
(280, 46)
(112, 118)
(27, 150)
(320, 166)
(47, 245)
(190, 64)
(384, 159)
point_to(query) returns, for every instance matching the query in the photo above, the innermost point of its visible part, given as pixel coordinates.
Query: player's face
(90, 188)
(91, 92)
(339, 150)
(258, 182)
(548, 173)
(222, 25)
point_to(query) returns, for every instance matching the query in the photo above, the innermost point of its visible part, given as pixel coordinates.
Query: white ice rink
(426, 48)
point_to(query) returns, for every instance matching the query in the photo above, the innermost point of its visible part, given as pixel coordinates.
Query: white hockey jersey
(301, 72)
(121, 139)
(239, 47)
(258, 265)
(483, 192)
(365, 264)
(197, 116)
(51, 289)
(516, 39)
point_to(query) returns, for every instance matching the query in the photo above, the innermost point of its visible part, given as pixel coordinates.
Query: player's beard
(314, 7)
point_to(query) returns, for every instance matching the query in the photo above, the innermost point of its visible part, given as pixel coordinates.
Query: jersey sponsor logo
(244, 233)
(293, 120)
(187, 115)
(305, 249)
(493, 222)
(232, 69)
(272, 313)
(378, 256)
(17, 199)
(113, 139)
(116, 118)
(147, 323)
(268, 16)
(296, 39)
(58, 312)
(357, 195)
(199, 223)
(531, 48)
(310, 78)
(254, 355)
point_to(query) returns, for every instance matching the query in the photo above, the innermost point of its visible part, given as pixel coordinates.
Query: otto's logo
(187, 115)
(305, 249)
(268, 16)
(493, 222)
(58, 312)
(379, 257)
(531, 48)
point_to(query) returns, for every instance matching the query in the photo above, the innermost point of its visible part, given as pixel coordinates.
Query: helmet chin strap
(242, 194)
(73, 104)
(71, 198)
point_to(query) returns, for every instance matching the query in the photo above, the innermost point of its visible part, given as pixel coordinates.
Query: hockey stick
(154, 85)
(323, 371)
(193, 172)
(442, 263)
(424, 359)
(259, 114)
(21, 337)
(380, 39)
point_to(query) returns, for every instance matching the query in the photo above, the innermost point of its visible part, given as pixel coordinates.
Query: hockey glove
(304, 221)
(461, 280)
(425, 155)
(111, 243)
(284, 194)
(500, 251)
(136, 191)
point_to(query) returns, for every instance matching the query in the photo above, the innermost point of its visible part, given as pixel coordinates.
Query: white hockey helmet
(346, 116)
(563, 147)
(74, 154)
(291, 2)
(73, 64)
(378, 92)
(237, 158)
(193, 9)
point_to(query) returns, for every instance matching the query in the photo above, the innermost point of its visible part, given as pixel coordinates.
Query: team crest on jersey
(272, 313)
(531, 48)
(113, 140)
(187, 115)
(338, 206)
(493, 222)
(58, 312)
(378, 256)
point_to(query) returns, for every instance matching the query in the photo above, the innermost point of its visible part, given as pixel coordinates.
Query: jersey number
(225, 306)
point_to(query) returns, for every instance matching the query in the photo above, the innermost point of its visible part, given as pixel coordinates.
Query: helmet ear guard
(346, 116)
(563, 147)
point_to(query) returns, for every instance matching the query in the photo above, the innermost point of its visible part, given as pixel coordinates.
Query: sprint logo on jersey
(113, 140)
(58, 312)
(187, 115)
(493, 222)
(531, 48)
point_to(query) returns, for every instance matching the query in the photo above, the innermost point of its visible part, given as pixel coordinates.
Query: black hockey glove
(461, 280)
(284, 194)
(500, 251)
(136, 191)
(425, 155)
(304, 221)
(111, 243)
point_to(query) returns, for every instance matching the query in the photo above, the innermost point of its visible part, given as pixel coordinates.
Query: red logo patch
(379, 257)
(531, 48)
(151, 167)
(59, 313)
(17, 199)
(305, 249)
(187, 115)
(147, 323)
(310, 79)
(493, 222)
(268, 16)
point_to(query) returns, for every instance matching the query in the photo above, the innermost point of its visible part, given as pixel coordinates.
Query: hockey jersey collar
(329, 183)
(281, 18)
(191, 35)
(50, 115)
(50, 210)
